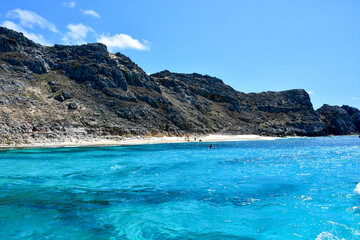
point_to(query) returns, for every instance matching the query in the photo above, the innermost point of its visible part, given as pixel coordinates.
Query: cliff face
(340, 120)
(219, 108)
(65, 92)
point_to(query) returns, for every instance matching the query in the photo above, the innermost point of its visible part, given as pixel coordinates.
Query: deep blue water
(303, 188)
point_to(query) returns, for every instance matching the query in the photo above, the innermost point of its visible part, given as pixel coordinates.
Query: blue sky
(252, 46)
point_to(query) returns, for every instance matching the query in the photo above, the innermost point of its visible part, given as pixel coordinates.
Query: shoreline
(103, 142)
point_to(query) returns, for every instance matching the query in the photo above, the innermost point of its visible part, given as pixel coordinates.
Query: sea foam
(115, 167)
(357, 188)
(327, 236)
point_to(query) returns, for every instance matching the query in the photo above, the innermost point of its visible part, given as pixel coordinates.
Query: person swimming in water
(211, 146)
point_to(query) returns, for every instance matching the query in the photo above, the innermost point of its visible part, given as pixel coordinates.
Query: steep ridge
(75, 92)
(220, 108)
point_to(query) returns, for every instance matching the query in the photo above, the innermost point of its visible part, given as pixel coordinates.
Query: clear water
(284, 189)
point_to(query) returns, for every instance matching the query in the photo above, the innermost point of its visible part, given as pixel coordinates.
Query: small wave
(327, 236)
(357, 188)
(304, 198)
(115, 167)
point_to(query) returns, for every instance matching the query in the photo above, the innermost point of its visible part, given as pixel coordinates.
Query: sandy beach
(140, 141)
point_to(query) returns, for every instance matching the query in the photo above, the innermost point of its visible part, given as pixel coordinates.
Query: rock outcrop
(355, 116)
(76, 92)
(340, 120)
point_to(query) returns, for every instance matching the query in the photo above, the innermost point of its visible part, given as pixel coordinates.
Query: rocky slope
(75, 92)
(340, 120)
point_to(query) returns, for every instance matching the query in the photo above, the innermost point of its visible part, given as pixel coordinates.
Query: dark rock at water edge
(355, 116)
(340, 120)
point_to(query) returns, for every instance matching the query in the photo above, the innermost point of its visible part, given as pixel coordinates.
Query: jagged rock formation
(340, 120)
(355, 116)
(67, 92)
(219, 108)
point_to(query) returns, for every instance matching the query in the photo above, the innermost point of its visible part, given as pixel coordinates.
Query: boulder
(59, 97)
(55, 88)
(66, 95)
(72, 106)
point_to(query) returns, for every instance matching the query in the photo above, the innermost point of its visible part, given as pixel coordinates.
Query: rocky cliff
(67, 92)
(340, 120)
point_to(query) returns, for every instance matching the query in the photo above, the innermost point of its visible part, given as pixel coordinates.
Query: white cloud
(30, 19)
(123, 41)
(69, 4)
(90, 13)
(77, 34)
(38, 38)
(355, 98)
(310, 92)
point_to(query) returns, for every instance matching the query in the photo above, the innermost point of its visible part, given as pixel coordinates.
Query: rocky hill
(71, 92)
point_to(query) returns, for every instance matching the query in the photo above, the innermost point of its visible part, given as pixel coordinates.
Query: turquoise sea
(295, 188)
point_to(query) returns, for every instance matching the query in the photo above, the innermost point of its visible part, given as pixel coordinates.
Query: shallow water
(300, 188)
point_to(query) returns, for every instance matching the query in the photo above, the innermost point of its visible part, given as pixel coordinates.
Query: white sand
(144, 140)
